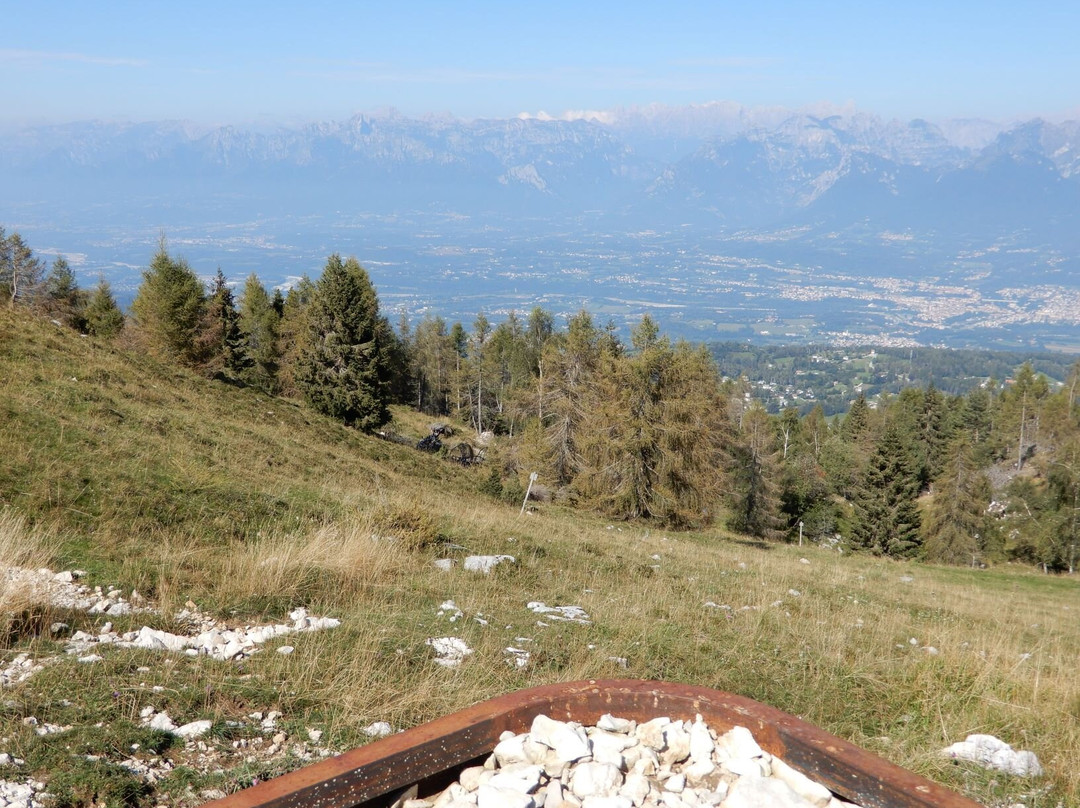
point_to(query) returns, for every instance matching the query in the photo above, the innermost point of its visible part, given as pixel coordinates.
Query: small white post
(532, 479)
(800, 534)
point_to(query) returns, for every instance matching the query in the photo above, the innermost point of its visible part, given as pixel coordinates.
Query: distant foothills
(640, 429)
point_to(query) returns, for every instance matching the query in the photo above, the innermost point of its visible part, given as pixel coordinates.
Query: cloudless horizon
(272, 62)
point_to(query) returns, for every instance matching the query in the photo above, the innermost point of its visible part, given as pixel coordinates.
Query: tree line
(642, 429)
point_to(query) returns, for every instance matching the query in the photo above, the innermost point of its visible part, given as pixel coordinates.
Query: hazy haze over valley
(933, 200)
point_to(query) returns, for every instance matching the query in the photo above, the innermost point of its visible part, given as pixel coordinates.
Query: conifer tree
(62, 297)
(219, 344)
(168, 307)
(886, 515)
(956, 525)
(754, 478)
(292, 334)
(259, 321)
(103, 317)
(342, 368)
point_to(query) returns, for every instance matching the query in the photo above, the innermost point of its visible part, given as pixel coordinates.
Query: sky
(275, 62)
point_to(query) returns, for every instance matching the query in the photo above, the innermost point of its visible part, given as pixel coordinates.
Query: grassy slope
(183, 488)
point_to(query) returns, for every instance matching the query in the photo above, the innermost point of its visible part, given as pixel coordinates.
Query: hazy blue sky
(241, 61)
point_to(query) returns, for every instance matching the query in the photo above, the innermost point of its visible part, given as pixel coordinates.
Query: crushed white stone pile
(207, 637)
(622, 764)
(213, 640)
(993, 753)
(27, 794)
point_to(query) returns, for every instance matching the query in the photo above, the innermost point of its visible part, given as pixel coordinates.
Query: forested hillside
(645, 429)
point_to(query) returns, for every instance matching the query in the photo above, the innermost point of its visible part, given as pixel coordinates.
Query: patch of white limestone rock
(620, 763)
(207, 636)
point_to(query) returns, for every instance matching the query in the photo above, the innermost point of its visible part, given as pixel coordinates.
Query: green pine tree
(342, 368)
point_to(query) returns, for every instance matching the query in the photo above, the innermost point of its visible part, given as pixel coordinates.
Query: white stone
(510, 751)
(486, 563)
(377, 729)
(554, 795)
(314, 735)
(745, 767)
(762, 792)
(470, 777)
(569, 614)
(163, 722)
(675, 784)
(285, 650)
(651, 733)
(737, 742)
(676, 744)
(569, 743)
(993, 753)
(697, 771)
(91, 658)
(449, 651)
(445, 564)
(610, 723)
(524, 778)
(194, 729)
(636, 787)
(701, 742)
(606, 801)
(802, 785)
(455, 793)
(589, 779)
(490, 797)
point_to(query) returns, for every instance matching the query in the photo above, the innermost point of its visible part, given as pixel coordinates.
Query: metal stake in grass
(532, 479)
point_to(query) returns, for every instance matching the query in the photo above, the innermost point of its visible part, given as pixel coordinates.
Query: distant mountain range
(717, 164)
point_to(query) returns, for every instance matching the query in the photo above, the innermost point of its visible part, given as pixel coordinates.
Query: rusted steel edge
(369, 772)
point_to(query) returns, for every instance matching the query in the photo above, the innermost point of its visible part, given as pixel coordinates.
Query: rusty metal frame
(435, 751)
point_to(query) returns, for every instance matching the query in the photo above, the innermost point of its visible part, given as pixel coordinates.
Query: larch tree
(168, 307)
(20, 270)
(956, 525)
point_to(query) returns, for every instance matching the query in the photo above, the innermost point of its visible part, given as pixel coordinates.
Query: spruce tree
(259, 322)
(103, 317)
(342, 368)
(886, 513)
(219, 344)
